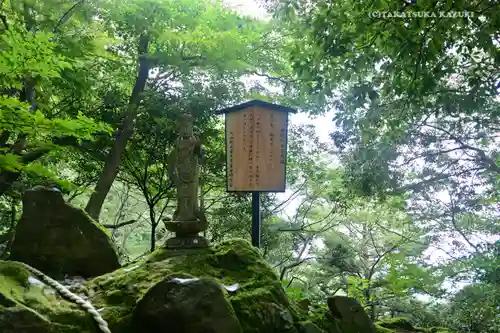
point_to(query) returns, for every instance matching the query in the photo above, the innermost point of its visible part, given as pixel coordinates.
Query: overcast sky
(323, 123)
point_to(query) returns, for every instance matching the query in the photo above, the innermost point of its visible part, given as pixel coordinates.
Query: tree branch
(282, 79)
(67, 15)
(486, 160)
(119, 225)
(454, 223)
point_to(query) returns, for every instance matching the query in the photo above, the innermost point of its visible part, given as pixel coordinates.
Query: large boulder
(309, 327)
(60, 239)
(350, 315)
(342, 315)
(185, 305)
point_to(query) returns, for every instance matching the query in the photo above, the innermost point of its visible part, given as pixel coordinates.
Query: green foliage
(33, 124)
(357, 288)
(29, 55)
(475, 309)
(413, 170)
(378, 67)
(416, 114)
(294, 294)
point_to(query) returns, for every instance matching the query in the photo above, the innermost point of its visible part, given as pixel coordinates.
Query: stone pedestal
(186, 234)
(186, 242)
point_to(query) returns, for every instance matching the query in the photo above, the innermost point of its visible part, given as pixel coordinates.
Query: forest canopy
(399, 209)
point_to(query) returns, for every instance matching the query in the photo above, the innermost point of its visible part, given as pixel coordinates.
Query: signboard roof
(256, 103)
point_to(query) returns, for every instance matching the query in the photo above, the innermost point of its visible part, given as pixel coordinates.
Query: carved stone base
(186, 227)
(186, 242)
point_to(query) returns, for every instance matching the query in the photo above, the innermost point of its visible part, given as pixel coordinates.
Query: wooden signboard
(256, 140)
(256, 146)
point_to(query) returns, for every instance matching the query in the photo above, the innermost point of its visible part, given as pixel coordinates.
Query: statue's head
(186, 125)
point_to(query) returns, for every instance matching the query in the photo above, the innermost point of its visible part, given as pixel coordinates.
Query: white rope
(103, 325)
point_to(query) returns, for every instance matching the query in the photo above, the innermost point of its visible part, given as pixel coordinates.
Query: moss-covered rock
(308, 327)
(60, 239)
(403, 323)
(29, 306)
(185, 305)
(343, 315)
(325, 320)
(422, 330)
(350, 315)
(127, 297)
(260, 303)
(227, 288)
(439, 330)
(380, 329)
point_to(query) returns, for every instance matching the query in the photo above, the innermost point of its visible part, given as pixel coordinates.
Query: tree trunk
(371, 309)
(113, 159)
(153, 237)
(154, 224)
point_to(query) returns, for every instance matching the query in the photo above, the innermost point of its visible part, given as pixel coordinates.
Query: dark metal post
(256, 219)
